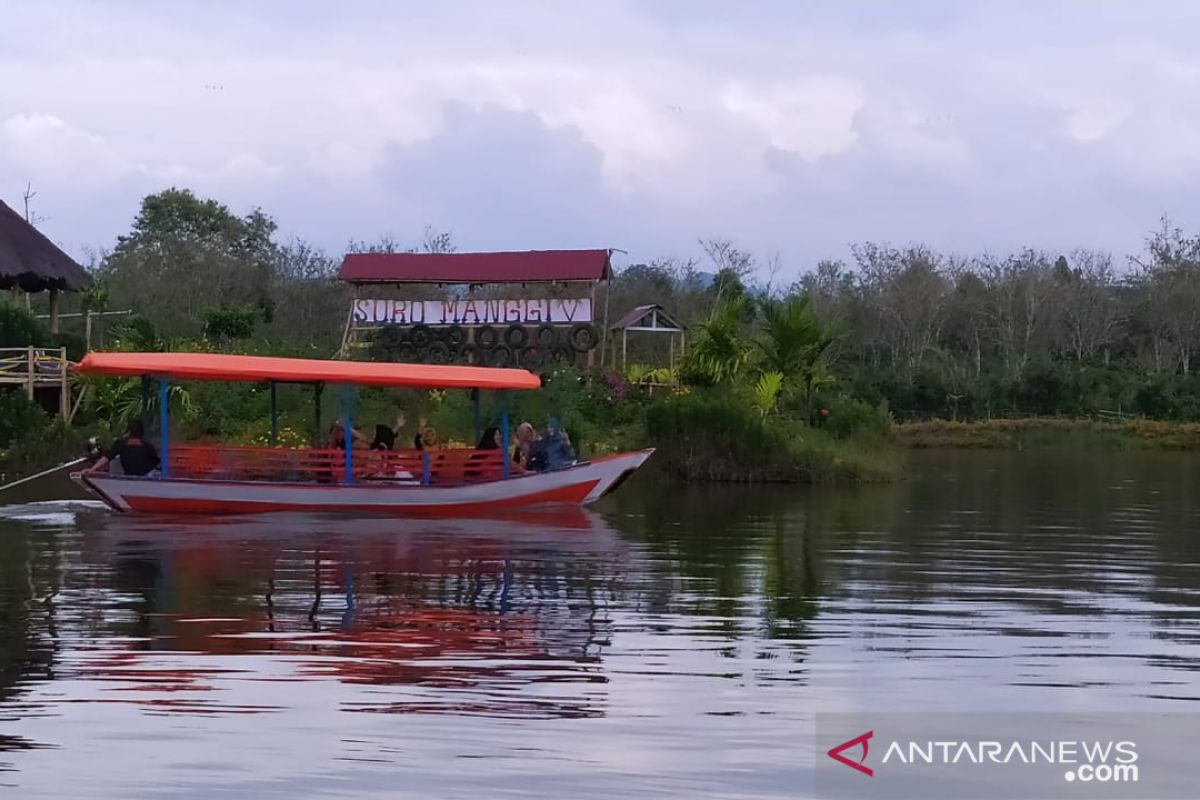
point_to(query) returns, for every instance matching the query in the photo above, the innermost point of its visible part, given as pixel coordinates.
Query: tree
(313, 303)
(966, 315)
(908, 292)
(1089, 310)
(185, 254)
(1171, 270)
(794, 343)
(718, 352)
(226, 323)
(1020, 300)
(732, 267)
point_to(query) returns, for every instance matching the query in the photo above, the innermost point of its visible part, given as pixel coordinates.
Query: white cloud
(811, 116)
(1091, 124)
(800, 128)
(44, 148)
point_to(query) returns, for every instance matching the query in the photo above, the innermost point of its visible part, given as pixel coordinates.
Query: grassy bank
(43, 448)
(1050, 432)
(712, 438)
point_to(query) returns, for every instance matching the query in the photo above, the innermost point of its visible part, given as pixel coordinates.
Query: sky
(791, 128)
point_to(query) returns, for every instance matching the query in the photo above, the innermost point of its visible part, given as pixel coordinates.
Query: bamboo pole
(30, 365)
(78, 403)
(64, 386)
(55, 298)
(604, 330)
(349, 330)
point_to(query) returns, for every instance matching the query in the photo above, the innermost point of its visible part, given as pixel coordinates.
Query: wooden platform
(38, 368)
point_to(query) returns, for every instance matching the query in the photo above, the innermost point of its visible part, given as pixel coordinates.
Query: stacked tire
(534, 348)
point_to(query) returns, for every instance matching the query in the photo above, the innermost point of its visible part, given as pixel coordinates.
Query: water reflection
(503, 618)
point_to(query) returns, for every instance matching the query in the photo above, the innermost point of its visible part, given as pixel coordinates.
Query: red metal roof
(533, 266)
(221, 367)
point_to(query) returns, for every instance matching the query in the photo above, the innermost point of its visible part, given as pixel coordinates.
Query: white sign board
(473, 312)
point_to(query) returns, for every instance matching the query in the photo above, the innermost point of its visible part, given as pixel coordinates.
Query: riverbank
(701, 439)
(1049, 432)
(43, 448)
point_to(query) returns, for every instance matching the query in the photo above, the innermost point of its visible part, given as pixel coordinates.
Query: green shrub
(225, 323)
(719, 437)
(19, 327)
(852, 418)
(50, 444)
(19, 416)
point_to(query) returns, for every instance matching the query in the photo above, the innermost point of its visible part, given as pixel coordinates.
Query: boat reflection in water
(503, 617)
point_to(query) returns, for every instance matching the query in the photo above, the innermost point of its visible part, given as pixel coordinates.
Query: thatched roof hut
(32, 263)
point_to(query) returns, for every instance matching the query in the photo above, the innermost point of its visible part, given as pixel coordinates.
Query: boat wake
(50, 512)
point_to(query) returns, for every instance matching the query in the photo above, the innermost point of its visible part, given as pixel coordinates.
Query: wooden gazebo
(32, 263)
(648, 319)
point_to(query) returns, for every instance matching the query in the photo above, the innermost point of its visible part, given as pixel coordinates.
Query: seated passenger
(132, 454)
(490, 439)
(385, 437)
(552, 451)
(337, 437)
(426, 439)
(525, 440)
(386, 467)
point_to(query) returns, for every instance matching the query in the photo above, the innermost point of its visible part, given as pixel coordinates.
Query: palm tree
(116, 400)
(794, 343)
(718, 352)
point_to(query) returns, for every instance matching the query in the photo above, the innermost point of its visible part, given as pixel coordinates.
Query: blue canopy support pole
(505, 461)
(425, 468)
(274, 417)
(163, 386)
(347, 434)
(475, 409)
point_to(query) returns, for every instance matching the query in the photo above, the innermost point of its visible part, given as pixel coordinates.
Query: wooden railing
(38, 368)
(281, 465)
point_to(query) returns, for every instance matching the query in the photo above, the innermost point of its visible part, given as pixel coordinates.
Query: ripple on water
(676, 642)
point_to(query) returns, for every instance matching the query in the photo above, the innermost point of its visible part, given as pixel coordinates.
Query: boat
(206, 479)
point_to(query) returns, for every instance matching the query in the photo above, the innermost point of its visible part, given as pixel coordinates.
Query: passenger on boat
(490, 439)
(426, 439)
(131, 455)
(526, 436)
(384, 467)
(385, 437)
(337, 437)
(552, 451)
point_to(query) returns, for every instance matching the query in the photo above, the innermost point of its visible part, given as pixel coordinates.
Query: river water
(673, 642)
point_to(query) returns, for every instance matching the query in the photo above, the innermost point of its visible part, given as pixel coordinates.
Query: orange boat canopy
(219, 367)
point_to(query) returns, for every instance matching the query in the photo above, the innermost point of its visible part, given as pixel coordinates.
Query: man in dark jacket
(137, 456)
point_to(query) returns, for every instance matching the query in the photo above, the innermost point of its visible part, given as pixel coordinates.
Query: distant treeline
(1031, 333)
(927, 333)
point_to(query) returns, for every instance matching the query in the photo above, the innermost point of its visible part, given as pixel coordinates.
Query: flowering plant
(618, 387)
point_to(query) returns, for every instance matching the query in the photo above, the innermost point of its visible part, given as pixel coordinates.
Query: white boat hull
(578, 485)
